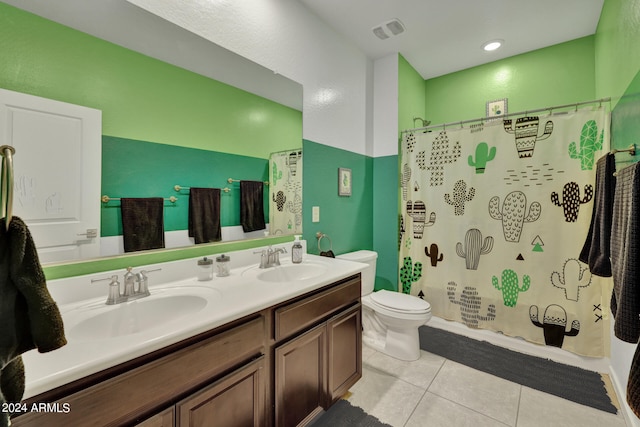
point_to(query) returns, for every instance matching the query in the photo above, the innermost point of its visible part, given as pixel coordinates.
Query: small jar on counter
(205, 269)
(223, 265)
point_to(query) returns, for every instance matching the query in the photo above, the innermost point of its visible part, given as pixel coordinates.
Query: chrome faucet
(270, 257)
(131, 291)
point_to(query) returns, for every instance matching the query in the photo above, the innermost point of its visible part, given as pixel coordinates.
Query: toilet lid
(400, 302)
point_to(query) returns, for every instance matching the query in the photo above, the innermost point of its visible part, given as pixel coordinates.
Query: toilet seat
(400, 303)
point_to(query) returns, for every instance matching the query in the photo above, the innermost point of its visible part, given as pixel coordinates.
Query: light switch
(315, 214)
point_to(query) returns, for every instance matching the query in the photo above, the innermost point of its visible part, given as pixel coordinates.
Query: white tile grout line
(426, 390)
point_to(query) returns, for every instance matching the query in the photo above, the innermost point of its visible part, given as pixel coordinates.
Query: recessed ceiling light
(492, 45)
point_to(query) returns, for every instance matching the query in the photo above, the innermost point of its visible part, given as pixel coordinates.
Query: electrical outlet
(315, 214)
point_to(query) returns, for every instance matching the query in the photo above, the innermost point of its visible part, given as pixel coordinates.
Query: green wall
(618, 71)
(556, 75)
(346, 220)
(411, 95)
(385, 221)
(616, 48)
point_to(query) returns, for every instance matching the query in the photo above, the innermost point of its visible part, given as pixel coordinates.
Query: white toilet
(390, 320)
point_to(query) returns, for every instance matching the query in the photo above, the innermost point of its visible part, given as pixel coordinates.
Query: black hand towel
(29, 316)
(625, 252)
(251, 206)
(204, 215)
(597, 247)
(142, 223)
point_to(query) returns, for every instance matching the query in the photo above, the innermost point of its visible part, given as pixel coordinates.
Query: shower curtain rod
(482, 119)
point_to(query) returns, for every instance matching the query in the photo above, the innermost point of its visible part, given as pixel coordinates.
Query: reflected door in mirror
(57, 164)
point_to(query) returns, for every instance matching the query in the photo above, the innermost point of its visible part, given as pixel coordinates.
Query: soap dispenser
(296, 251)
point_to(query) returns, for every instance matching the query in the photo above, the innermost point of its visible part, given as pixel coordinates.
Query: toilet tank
(369, 273)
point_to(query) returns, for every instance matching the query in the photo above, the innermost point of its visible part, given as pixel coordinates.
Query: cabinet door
(344, 345)
(163, 419)
(300, 386)
(235, 400)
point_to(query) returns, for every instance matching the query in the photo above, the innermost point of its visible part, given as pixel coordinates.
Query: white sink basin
(102, 322)
(292, 272)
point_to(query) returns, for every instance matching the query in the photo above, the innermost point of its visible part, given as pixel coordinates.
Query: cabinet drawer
(144, 390)
(303, 313)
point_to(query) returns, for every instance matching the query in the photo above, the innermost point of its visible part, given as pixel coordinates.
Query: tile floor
(434, 391)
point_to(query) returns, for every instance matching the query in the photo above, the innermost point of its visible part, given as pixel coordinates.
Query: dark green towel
(29, 316)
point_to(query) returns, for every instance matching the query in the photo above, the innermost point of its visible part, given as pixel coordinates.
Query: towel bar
(6, 184)
(180, 187)
(231, 181)
(107, 199)
(631, 150)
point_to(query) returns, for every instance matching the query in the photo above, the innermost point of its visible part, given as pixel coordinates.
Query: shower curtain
(285, 187)
(493, 220)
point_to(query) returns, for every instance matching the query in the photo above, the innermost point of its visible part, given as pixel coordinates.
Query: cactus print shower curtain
(285, 192)
(492, 222)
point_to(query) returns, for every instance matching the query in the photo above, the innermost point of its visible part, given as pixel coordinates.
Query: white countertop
(227, 299)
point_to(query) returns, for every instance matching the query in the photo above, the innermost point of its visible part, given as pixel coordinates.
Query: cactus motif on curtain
(510, 223)
(285, 192)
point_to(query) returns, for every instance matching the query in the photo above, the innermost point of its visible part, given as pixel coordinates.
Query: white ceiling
(443, 36)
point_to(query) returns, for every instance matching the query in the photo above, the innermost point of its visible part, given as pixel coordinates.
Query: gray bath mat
(343, 414)
(569, 382)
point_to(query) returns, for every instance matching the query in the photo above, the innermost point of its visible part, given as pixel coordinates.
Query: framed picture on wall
(497, 108)
(344, 182)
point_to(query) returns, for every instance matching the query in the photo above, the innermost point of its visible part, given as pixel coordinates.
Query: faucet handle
(142, 274)
(114, 296)
(143, 284)
(264, 257)
(113, 279)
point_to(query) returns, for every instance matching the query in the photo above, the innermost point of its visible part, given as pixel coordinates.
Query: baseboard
(629, 417)
(595, 364)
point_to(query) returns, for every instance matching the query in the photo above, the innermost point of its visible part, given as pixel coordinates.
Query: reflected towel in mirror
(252, 206)
(204, 215)
(142, 223)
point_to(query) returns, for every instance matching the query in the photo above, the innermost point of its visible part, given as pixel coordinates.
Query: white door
(57, 173)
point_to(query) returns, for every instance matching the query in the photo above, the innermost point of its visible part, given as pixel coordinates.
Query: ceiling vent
(389, 29)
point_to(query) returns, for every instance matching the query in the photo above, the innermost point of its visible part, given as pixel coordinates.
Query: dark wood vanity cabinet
(282, 366)
(318, 351)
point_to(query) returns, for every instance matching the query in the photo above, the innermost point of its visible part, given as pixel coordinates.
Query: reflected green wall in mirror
(143, 169)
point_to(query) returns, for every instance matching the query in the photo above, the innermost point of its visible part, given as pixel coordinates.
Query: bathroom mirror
(263, 113)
